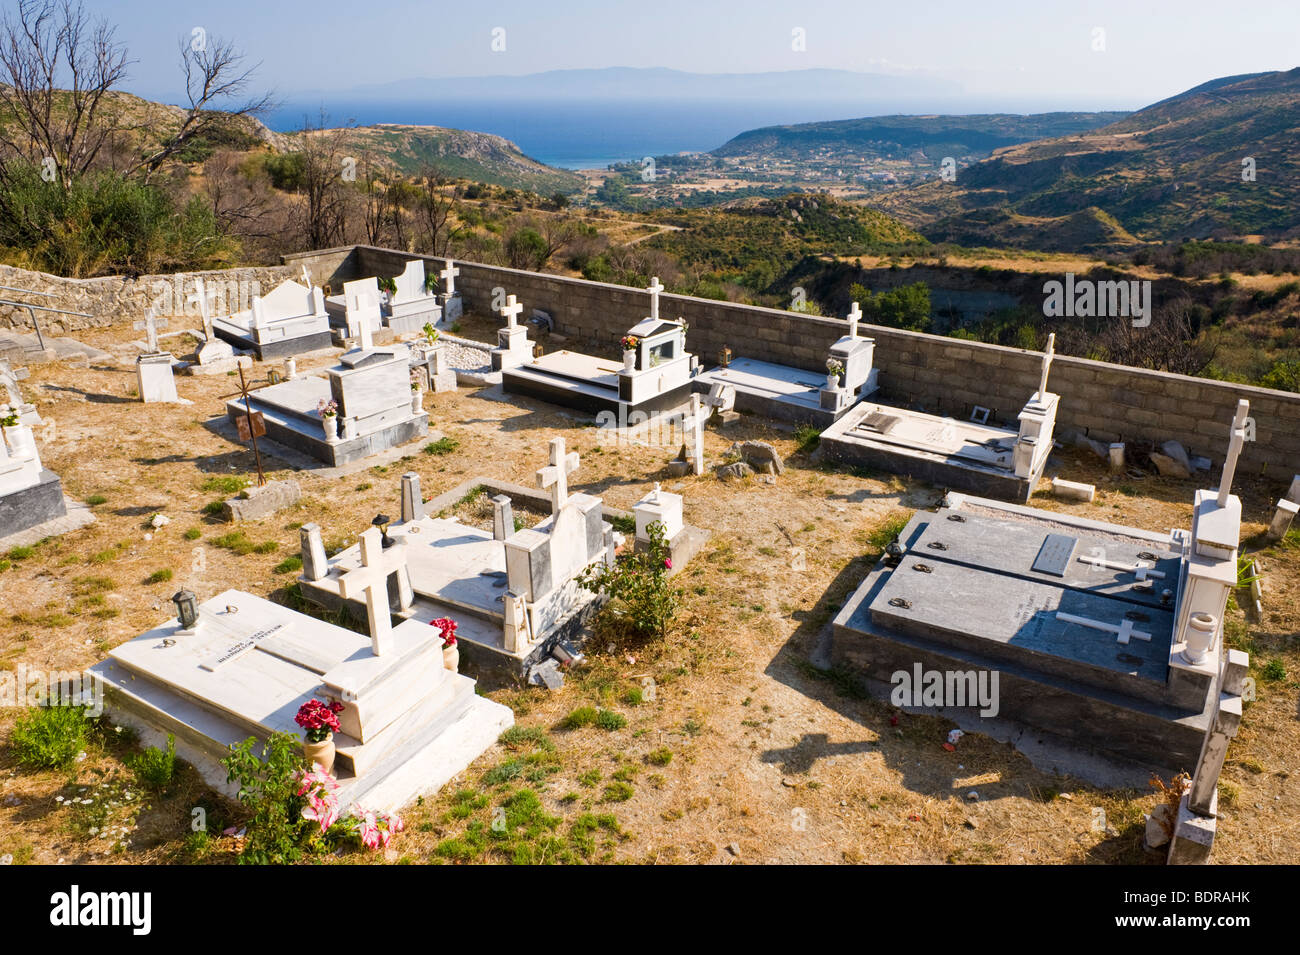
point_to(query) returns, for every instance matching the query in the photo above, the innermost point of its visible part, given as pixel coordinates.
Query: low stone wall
(114, 299)
(943, 375)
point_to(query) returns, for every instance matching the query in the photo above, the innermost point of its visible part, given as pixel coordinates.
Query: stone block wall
(942, 375)
(116, 299)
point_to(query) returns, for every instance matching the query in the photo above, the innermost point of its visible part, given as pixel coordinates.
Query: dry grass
(743, 743)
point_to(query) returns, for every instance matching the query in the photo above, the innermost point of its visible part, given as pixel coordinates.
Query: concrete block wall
(943, 375)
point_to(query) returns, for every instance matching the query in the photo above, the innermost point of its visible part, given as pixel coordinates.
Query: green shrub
(277, 832)
(193, 534)
(661, 756)
(224, 484)
(638, 585)
(96, 499)
(609, 720)
(49, 737)
(1273, 670)
(442, 446)
(155, 767)
(288, 565)
(159, 576)
(582, 716)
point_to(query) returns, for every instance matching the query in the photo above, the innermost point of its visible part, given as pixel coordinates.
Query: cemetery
(212, 609)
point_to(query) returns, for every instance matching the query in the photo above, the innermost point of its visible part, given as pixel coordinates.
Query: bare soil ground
(735, 748)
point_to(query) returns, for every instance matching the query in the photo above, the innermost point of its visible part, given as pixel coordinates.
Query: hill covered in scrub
(1217, 161)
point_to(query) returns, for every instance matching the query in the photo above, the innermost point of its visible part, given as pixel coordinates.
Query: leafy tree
(907, 306)
(526, 249)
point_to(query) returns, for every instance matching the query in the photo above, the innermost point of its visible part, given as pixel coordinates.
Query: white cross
(1140, 570)
(855, 316)
(693, 425)
(151, 324)
(365, 334)
(721, 397)
(1234, 451)
(306, 276)
(654, 289)
(448, 276)
(1123, 633)
(510, 309)
(369, 582)
(556, 475)
(1047, 366)
(200, 298)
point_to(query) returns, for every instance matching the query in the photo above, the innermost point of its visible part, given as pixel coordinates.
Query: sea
(583, 134)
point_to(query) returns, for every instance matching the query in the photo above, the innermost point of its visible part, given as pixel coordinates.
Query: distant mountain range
(1217, 161)
(659, 83)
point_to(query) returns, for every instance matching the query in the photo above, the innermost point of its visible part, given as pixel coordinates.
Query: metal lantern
(382, 521)
(187, 609)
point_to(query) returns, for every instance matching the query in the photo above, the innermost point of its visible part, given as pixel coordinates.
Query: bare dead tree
(324, 209)
(1171, 342)
(372, 214)
(57, 67)
(215, 76)
(435, 207)
(238, 203)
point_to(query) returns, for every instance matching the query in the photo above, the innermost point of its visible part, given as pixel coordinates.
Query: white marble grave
(408, 725)
(412, 305)
(289, 320)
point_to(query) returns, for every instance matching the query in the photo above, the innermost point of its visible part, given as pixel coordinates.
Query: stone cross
(855, 316)
(200, 298)
(9, 378)
(365, 334)
(448, 276)
(1234, 451)
(150, 325)
(510, 310)
(369, 582)
(556, 475)
(693, 426)
(1047, 365)
(654, 289)
(721, 397)
(306, 276)
(655, 495)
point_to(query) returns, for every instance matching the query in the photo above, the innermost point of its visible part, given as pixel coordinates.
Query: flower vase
(417, 402)
(832, 382)
(322, 752)
(629, 360)
(331, 423)
(451, 658)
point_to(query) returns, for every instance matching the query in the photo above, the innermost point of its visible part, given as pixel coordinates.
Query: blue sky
(1153, 48)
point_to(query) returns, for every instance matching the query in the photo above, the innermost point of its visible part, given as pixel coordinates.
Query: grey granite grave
(30, 495)
(290, 320)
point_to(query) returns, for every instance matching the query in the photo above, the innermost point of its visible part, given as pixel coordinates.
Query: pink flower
(668, 563)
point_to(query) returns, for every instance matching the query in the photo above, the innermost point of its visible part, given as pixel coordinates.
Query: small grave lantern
(187, 609)
(382, 521)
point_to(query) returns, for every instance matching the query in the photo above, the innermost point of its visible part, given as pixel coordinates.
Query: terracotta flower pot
(322, 752)
(451, 658)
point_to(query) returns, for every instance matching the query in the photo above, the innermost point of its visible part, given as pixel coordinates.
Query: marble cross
(1234, 451)
(855, 316)
(306, 276)
(556, 475)
(448, 276)
(510, 310)
(1047, 365)
(365, 334)
(150, 325)
(200, 298)
(654, 289)
(369, 582)
(1124, 632)
(693, 426)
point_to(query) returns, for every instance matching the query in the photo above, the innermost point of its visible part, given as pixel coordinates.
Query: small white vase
(331, 423)
(417, 402)
(629, 360)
